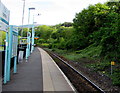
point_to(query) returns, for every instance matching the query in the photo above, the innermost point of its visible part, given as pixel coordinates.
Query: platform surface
(0, 84)
(39, 73)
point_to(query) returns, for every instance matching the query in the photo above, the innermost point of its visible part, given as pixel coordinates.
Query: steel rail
(89, 81)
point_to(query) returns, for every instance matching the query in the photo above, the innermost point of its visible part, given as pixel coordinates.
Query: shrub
(45, 45)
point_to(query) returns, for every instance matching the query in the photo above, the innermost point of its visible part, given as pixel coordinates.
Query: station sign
(4, 17)
(36, 37)
(112, 63)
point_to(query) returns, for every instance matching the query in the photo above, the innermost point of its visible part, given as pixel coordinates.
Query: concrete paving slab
(29, 76)
(40, 73)
(57, 80)
(0, 84)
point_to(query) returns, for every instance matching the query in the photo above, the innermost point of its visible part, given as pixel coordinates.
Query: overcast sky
(52, 11)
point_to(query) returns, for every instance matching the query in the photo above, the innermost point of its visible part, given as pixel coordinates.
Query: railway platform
(38, 73)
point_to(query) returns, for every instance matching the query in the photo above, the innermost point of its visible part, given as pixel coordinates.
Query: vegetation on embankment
(94, 34)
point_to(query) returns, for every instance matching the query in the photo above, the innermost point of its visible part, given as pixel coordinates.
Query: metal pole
(111, 69)
(29, 41)
(10, 52)
(15, 64)
(32, 45)
(32, 48)
(27, 49)
(23, 17)
(33, 34)
(28, 33)
(6, 60)
(29, 16)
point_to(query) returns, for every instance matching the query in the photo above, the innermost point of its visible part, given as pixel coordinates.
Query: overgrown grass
(105, 68)
(59, 51)
(43, 45)
(93, 53)
(99, 66)
(116, 77)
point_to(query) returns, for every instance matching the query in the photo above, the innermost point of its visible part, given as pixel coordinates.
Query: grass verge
(91, 54)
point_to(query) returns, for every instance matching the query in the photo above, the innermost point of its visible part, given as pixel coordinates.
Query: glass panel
(2, 40)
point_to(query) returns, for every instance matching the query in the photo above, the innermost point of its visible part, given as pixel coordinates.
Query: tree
(67, 24)
(44, 32)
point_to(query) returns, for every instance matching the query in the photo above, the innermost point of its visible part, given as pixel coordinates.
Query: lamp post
(33, 34)
(29, 13)
(28, 35)
(23, 17)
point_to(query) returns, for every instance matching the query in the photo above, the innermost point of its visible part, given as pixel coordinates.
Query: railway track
(79, 81)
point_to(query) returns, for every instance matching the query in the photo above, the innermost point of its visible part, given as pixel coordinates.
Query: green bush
(45, 45)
